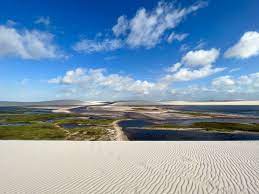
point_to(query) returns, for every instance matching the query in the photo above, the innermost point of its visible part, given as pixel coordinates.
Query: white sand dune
(211, 103)
(94, 103)
(129, 167)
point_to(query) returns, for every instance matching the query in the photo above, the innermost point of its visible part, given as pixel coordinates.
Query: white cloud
(243, 84)
(70, 77)
(43, 20)
(225, 81)
(98, 84)
(97, 81)
(178, 37)
(10, 23)
(191, 92)
(121, 27)
(194, 65)
(174, 68)
(234, 70)
(200, 44)
(91, 46)
(222, 88)
(92, 80)
(27, 44)
(201, 57)
(247, 46)
(187, 74)
(147, 28)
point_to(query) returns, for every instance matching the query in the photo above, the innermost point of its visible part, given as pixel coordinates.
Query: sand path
(129, 167)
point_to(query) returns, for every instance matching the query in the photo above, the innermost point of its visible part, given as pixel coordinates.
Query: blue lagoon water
(248, 110)
(135, 129)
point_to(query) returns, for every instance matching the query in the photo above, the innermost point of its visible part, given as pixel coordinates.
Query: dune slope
(129, 167)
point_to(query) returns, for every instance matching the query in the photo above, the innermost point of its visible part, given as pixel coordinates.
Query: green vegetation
(48, 126)
(217, 126)
(145, 108)
(17, 110)
(91, 122)
(32, 132)
(87, 133)
(26, 118)
(167, 126)
(198, 114)
(18, 123)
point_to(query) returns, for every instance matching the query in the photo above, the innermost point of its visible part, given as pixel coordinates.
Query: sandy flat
(129, 167)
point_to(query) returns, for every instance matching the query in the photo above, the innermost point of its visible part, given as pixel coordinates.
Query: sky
(129, 50)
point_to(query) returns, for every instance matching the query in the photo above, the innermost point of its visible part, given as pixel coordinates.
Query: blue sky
(121, 50)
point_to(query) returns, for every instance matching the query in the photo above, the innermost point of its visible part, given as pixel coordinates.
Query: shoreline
(120, 135)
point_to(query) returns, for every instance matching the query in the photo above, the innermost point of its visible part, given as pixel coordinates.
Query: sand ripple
(129, 167)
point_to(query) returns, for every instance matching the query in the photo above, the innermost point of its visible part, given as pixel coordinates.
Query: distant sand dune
(211, 103)
(129, 167)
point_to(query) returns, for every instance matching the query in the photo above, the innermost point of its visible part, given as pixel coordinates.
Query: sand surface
(219, 103)
(129, 167)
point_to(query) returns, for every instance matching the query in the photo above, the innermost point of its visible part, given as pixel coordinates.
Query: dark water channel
(135, 130)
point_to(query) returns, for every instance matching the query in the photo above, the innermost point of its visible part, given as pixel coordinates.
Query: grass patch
(85, 121)
(37, 127)
(226, 127)
(87, 133)
(168, 126)
(194, 113)
(19, 110)
(26, 118)
(42, 131)
(214, 126)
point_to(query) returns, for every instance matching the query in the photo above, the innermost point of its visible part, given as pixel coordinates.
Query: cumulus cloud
(243, 84)
(222, 88)
(247, 46)
(201, 57)
(70, 77)
(194, 65)
(91, 46)
(224, 81)
(192, 93)
(27, 44)
(174, 67)
(96, 83)
(92, 80)
(121, 27)
(187, 74)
